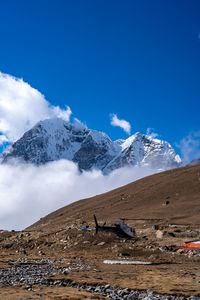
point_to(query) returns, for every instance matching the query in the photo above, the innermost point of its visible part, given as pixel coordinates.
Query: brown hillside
(144, 198)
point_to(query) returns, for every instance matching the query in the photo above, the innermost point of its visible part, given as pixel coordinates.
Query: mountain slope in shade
(55, 139)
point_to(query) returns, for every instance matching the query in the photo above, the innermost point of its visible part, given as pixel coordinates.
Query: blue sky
(138, 59)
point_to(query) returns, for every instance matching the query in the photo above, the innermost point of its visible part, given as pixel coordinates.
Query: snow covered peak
(55, 139)
(58, 125)
(99, 137)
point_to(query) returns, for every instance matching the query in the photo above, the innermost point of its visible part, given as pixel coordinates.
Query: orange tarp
(193, 244)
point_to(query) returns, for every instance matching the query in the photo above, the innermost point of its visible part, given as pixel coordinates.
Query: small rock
(107, 286)
(7, 246)
(159, 234)
(155, 227)
(149, 292)
(180, 251)
(124, 254)
(101, 244)
(23, 251)
(65, 271)
(97, 289)
(171, 234)
(191, 253)
(163, 248)
(166, 203)
(153, 256)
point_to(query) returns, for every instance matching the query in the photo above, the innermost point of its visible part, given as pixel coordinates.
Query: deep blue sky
(139, 59)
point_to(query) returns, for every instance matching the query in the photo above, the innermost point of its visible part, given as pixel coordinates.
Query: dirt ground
(82, 254)
(44, 293)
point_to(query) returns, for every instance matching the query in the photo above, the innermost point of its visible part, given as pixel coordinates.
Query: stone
(107, 286)
(166, 202)
(101, 244)
(155, 227)
(124, 254)
(23, 251)
(7, 246)
(180, 251)
(163, 248)
(171, 234)
(159, 234)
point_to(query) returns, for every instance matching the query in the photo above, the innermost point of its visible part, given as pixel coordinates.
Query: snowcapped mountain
(55, 139)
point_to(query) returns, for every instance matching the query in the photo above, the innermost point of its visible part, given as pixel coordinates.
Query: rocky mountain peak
(55, 139)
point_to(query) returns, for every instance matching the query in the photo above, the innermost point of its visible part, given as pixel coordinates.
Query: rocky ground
(69, 264)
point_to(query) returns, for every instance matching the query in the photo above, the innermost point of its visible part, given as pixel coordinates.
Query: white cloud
(79, 125)
(3, 139)
(190, 147)
(150, 132)
(21, 107)
(121, 123)
(61, 113)
(29, 192)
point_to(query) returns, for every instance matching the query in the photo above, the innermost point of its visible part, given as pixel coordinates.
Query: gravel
(25, 273)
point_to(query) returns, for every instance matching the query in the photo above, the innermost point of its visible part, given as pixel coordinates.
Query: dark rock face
(28, 146)
(55, 139)
(92, 154)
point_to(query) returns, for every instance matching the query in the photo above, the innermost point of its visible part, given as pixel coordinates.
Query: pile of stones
(30, 274)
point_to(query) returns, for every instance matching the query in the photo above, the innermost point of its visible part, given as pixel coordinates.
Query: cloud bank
(29, 192)
(21, 107)
(121, 123)
(190, 147)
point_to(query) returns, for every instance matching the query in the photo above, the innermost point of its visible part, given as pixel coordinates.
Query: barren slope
(144, 198)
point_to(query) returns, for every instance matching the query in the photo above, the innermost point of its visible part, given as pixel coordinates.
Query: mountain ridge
(54, 139)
